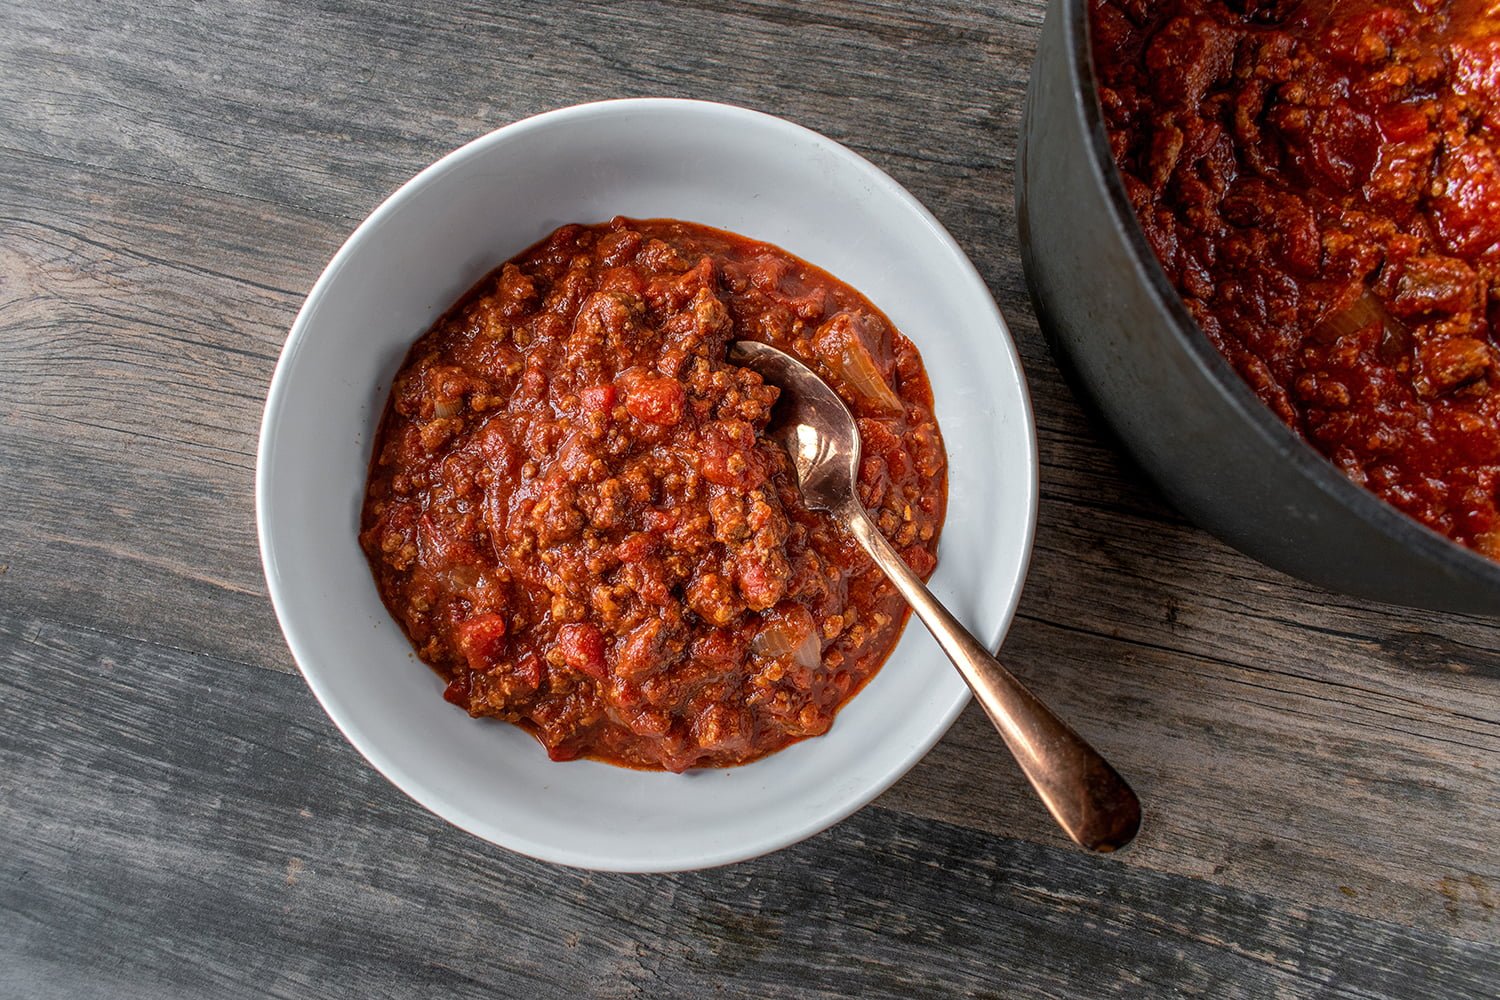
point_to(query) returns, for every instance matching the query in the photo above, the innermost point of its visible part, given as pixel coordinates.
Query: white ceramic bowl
(429, 242)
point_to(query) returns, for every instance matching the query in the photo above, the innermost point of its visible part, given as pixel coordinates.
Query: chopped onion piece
(809, 652)
(773, 641)
(793, 634)
(1364, 312)
(857, 348)
(857, 368)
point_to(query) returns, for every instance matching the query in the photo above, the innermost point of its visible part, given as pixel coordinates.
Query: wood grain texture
(179, 819)
(246, 860)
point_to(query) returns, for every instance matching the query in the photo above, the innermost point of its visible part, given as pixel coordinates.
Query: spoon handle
(1087, 797)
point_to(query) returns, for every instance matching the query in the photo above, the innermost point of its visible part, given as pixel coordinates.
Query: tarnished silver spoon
(1087, 797)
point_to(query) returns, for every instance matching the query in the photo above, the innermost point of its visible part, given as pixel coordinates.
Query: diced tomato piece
(762, 579)
(1341, 146)
(1366, 39)
(597, 398)
(637, 545)
(1467, 212)
(727, 455)
(480, 639)
(1403, 123)
(582, 648)
(919, 559)
(1476, 75)
(656, 400)
(661, 521)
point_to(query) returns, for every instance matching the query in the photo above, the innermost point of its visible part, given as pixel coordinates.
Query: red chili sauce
(574, 513)
(1321, 181)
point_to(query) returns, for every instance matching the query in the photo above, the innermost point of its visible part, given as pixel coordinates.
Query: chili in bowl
(656, 593)
(575, 516)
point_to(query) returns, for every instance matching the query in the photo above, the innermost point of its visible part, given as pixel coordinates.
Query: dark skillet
(1183, 414)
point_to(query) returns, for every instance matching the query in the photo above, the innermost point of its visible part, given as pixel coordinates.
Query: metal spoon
(1087, 797)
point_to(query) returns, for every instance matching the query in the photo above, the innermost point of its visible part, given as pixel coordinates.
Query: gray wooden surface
(177, 816)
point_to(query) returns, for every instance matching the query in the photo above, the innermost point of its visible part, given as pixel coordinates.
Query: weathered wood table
(179, 818)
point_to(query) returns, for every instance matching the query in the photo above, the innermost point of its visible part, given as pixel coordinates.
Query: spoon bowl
(810, 422)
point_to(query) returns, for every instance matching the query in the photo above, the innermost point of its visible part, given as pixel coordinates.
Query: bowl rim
(454, 812)
(1407, 531)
